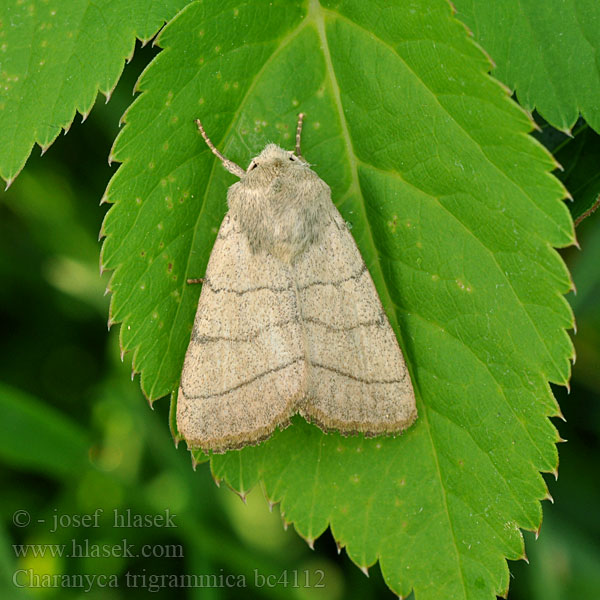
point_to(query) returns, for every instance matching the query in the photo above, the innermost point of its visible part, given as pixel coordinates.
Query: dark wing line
(359, 379)
(244, 383)
(205, 339)
(356, 275)
(258, 288)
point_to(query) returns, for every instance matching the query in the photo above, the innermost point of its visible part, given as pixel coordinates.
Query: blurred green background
(77, 435)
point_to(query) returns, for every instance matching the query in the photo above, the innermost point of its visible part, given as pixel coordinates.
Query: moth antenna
(228, 164)
(299, 133)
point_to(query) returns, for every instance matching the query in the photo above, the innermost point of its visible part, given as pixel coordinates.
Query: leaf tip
(536, 126)
(9, 182)
(567, 131)
(194, 461)
(364, 569)
(175, 435)
(560, 415)
(548, 496)
(216, 480)
(310, 541)
(338, 546)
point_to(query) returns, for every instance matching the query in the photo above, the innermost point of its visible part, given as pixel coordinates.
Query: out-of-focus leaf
(564, 562)
(580, 158)
(34, 436)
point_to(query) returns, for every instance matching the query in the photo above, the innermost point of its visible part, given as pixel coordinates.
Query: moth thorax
(283, 218)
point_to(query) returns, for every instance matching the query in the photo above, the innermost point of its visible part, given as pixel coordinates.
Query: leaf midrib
(353, 163)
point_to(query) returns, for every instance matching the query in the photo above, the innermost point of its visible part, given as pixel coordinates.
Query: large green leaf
(455, 211)
(546, 51)
(55, 56)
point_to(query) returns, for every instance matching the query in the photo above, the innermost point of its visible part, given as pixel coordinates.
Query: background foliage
(53, 296)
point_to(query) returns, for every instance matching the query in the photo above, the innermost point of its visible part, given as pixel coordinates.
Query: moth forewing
(288, 319)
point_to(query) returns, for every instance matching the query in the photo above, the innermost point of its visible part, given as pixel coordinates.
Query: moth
(288, 320)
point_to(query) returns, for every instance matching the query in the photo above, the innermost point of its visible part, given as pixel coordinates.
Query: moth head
(272, 159)
(275, 159)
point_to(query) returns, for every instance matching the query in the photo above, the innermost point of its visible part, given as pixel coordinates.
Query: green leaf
(579, 157)
(455, 212)
(55, 56)
(546, 51)
(35, 436)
